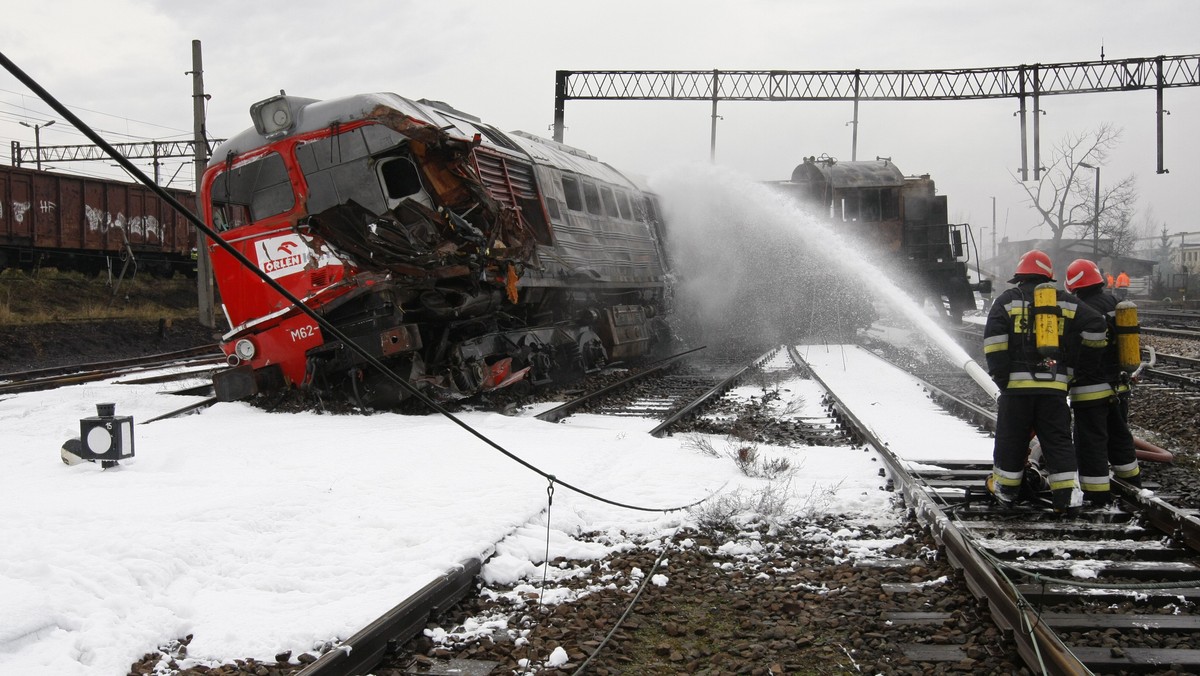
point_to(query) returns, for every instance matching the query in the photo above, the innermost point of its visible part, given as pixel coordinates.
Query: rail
(1035, 642)
(30, 381)
(563, 410)
(361, 652)
(717, 390)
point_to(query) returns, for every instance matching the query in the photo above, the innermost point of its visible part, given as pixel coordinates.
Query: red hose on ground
(1148, 452)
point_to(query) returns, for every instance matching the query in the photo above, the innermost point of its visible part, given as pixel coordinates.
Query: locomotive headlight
(272, 116)
(244, 349)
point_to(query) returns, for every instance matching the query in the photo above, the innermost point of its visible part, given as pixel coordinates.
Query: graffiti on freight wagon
(98, 220)
(104, 221)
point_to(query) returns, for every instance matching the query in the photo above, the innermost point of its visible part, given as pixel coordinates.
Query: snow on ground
(263, 532)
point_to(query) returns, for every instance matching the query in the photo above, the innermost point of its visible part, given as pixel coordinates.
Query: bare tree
(1065, 196)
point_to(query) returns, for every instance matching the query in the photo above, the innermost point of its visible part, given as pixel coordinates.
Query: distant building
(1182, 272)
(1187, 255)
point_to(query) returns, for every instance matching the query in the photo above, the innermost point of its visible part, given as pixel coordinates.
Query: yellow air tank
(1129, 349)
(1045, 319)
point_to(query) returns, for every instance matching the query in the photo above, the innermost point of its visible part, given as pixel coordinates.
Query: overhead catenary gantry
(1026, 83)
(155, 150)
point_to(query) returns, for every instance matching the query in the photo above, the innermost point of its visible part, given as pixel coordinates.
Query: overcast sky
(120, 65)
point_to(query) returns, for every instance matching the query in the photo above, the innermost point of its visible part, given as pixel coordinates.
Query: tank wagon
(900, 220)
(78, 223)
(465, 258)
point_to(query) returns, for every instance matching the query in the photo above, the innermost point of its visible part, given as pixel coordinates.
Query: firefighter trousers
(1102, 438)
(1048, 416)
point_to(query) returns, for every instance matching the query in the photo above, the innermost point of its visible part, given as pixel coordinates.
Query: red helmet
(1034, 262)
(1082, 273)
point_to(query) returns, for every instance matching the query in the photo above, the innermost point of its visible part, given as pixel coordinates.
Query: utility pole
(993, 227)
(204, 284)
(1095, 214)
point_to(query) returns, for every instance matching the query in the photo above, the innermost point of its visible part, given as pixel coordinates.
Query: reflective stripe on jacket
(1011, 350)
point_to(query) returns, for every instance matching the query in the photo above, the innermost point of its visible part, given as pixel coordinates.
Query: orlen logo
(280, 256)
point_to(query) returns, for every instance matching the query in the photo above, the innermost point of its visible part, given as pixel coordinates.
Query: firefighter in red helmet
(1100, 397)
(1034, 339)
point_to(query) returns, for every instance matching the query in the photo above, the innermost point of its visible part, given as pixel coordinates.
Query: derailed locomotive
(900, 220)
(464, 258)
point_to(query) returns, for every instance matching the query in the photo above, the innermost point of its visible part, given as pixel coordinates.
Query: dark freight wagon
(79, 223)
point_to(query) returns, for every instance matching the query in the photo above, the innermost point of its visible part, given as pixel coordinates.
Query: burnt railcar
(465, 258)
(79, 223)
(898, 219)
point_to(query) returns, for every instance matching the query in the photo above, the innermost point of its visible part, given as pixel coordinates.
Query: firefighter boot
(1097, 498)
(1067, 501)
(1005, 496)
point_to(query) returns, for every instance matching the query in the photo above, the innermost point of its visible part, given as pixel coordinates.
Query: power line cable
(320, 319)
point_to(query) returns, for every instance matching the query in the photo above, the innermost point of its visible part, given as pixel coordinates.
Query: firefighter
(1122, 285)
(1100, 397)
(1034, 339)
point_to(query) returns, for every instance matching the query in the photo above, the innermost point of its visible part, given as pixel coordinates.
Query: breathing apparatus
(1047, 318)
(1129, 351)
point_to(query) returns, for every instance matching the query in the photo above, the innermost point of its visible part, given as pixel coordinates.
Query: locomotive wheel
(369, 388)
(592, 356)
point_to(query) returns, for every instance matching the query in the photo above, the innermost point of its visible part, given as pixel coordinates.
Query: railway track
(50, 378)
(674, 390)
(1172, 318)
(1176, 370)
(1109, 591)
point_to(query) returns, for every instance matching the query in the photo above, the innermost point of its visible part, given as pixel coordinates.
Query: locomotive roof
(312, 115)
(864, 174)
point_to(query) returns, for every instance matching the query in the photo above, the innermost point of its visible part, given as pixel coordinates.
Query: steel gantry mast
(1026, 83)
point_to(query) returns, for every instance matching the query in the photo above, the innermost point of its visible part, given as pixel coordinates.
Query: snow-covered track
(360, 653)
(1076, 592)
(670, 394)
(50, 378)
(567, 408)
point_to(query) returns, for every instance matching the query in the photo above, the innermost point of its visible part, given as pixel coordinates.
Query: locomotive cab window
(870, 212)
(890, 204)
(402, 180)
(258, 189)
(339, 169)
(850, 207)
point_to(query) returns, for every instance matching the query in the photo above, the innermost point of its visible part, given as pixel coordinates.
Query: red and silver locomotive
(464, 258)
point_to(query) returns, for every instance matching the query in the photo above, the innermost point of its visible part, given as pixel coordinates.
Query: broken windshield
(340, 169)
(251, 192)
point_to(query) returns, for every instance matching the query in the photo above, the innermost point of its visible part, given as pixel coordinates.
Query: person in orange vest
(1110, 281)
(1122, 288)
